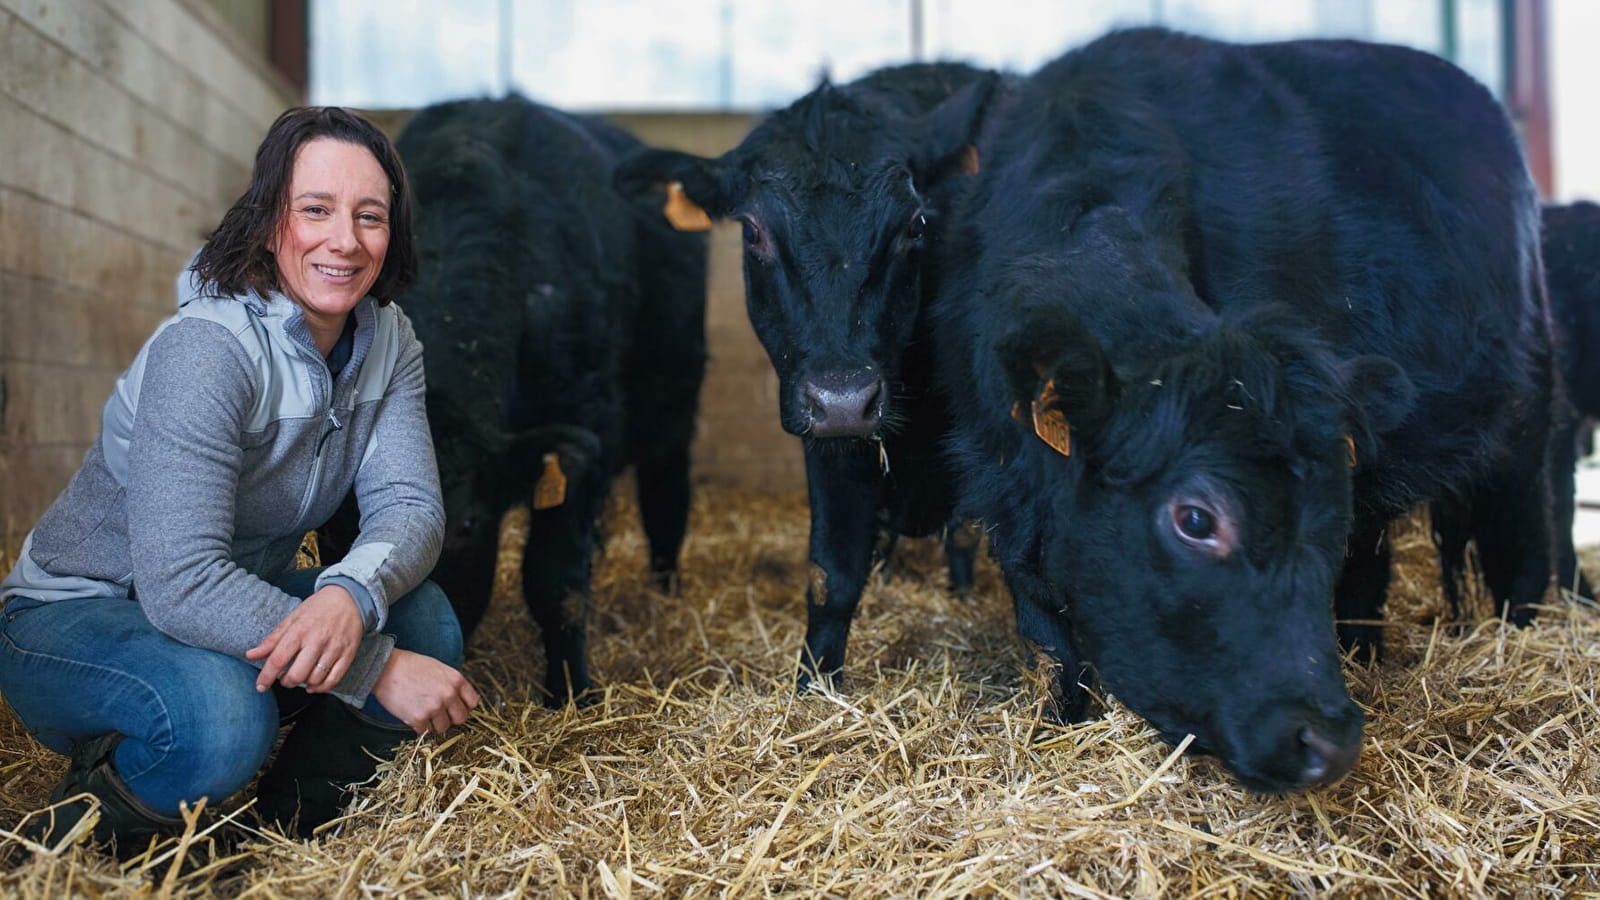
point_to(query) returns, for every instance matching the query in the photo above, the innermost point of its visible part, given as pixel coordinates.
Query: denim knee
(424, 622)
(219, 733)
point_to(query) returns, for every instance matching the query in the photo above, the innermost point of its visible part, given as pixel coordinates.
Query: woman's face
(331, 241)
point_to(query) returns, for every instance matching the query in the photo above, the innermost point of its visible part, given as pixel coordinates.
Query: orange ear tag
(1049, 423)
(969, 160)
(551, 490)
(683, 213)
(1350, 444)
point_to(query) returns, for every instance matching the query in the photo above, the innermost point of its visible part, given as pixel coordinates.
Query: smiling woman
(285, 381)
(332, 240)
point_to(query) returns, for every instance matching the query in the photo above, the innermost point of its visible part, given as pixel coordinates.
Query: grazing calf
(563, 334)
(1216, 315)
(842, 196)
(1571, 241)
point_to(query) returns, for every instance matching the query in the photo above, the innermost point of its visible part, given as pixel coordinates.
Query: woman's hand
(314, 645)
(424, 692)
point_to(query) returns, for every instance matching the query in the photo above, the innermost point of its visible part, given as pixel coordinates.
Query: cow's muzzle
(838, 404)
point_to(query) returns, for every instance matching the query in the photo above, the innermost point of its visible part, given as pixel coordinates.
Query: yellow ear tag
(1049, 423)
(552, 487)
(1350, 444)
(683, 213)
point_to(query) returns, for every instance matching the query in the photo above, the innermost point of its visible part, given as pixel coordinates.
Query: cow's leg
(1566, 444)
(1040, 624)
(556, 567)
(961, 540)
(1512, 526)
(845, 486)
(884, 540)
(1363, 585)
(465, 570)
(1452, 529)
(663, 485)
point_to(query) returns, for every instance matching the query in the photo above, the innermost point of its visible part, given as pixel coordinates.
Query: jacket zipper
(316, 461)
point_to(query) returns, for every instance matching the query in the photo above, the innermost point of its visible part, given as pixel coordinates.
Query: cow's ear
(689, 186)
(1061, 383)
(1381, 396)
(949, 133)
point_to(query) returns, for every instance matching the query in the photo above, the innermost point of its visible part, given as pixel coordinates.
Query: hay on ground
(932, 771)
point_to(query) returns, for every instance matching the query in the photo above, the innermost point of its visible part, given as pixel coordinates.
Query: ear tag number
(551, 491)
(683, 213)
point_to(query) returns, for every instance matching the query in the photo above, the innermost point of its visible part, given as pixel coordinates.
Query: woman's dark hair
(235, 259)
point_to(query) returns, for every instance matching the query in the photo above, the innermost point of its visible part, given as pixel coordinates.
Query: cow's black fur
(1571, 242)
(1228, 260)
(842, 196)
(558, 317)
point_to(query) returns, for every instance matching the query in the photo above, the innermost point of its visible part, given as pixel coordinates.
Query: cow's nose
(843, 405)
(1325, 760)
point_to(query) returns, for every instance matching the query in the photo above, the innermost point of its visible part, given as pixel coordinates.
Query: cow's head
(839, 196)
(1195, 503)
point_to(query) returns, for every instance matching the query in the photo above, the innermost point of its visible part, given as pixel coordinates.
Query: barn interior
(934, 769)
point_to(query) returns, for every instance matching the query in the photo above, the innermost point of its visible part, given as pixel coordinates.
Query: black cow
(842, 196)
(563, 330)
(1571, 242)
(1216, 314)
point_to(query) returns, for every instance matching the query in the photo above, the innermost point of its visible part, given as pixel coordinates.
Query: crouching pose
(154, 628)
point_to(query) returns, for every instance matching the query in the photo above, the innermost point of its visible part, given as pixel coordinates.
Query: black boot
(331, 746)
(125, 820)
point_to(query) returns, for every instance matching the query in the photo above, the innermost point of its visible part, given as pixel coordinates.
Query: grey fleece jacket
(220, 446)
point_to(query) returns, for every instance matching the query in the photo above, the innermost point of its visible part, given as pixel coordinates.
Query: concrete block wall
(127, 127)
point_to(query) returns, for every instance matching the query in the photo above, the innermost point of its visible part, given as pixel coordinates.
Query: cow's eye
(916, 227)
(754, 237)
(1194, 523)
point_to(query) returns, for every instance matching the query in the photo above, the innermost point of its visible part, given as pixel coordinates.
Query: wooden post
(1528, 86)
(286, 41)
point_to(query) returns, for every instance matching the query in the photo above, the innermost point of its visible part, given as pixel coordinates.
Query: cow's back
(527, 294)
(1375, 190)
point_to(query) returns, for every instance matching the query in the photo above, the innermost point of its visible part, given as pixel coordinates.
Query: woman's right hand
(424, 692)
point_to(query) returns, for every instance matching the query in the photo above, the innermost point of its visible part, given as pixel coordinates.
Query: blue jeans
(193, 723)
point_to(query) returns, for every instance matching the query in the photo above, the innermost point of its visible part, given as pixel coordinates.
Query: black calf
(1216, 315)
(842, 196)
(1571, 242)
(563, 333)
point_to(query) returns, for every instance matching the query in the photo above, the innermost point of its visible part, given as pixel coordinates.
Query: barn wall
(127, 127)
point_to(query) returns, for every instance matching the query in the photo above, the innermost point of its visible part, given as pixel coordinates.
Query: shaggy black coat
(1278, 294)
(1571, 244)
(560, 322)
(843, 198)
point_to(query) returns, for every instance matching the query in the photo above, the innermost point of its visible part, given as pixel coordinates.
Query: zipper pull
(333, 425)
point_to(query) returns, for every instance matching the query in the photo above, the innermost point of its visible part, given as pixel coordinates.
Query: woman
(154, 628)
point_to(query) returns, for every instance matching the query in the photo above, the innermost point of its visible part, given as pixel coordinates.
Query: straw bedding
(931, 772)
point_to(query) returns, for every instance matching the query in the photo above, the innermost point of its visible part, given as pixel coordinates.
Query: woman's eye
(916, 227)
(315, 210)
(1195, 523)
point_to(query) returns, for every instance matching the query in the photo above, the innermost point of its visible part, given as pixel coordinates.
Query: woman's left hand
(314, 645)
